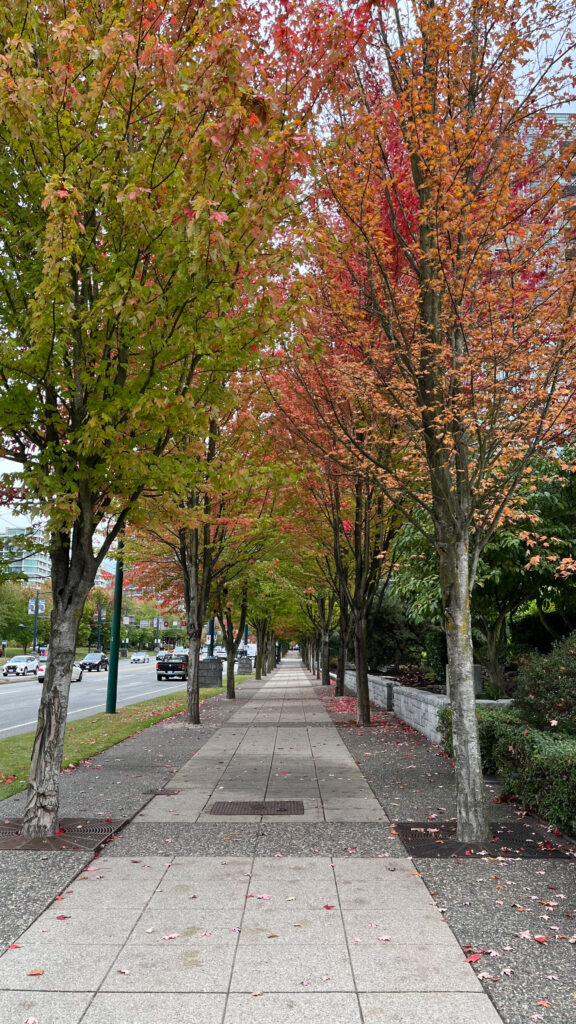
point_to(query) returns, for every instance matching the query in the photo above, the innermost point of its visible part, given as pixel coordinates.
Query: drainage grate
(519, 840)
(73, 834)
(257, 807)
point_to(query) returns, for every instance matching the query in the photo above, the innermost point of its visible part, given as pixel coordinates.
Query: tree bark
(325, 659)
(42, 799)
(363, 698)
(494, 666)
(455, 583)
(193, 680)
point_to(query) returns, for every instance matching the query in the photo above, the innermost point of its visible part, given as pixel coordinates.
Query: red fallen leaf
(14, 946)
(541, 938)
(328, 907)
(542, 1002)
(35, 974)
(472, 959)
(62, 917)
(59, 832)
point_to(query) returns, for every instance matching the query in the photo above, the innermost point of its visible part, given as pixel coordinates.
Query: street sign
(144, 623)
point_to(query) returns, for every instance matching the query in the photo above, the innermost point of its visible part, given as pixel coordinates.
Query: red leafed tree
(440, 250)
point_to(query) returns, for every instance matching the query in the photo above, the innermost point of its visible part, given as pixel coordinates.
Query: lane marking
(92, 707)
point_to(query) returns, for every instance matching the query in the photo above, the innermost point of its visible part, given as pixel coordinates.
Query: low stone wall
(380, 689)
(417, 708)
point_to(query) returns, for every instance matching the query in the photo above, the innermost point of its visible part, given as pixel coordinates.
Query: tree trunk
(493, 664)
(260, 644)
(42, 798)
(454, 579)
(193, 680)
(363, 698)
(344, 634)
(325, 659)
(230, 685)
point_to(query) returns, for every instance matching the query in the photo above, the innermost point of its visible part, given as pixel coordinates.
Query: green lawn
(86, 737)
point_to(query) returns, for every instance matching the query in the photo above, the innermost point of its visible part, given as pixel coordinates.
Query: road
(19, 701)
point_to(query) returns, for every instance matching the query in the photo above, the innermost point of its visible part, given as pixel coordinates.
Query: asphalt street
(19, 701)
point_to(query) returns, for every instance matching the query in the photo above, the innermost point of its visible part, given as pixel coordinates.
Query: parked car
(175, 666)
(21, 665)
(94, 662)
(140, 657)
(220, 652)
(76, 671)
(180, 650)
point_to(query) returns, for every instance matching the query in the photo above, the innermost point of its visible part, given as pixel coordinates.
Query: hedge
(537, 767)
(489, 722)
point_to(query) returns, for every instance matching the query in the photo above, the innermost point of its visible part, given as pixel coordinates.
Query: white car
(21, 665)
(140, 657)
(76, 671)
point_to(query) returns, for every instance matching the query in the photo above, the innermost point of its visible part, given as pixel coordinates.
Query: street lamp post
(35, 632)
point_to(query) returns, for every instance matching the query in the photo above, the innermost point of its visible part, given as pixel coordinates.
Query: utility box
(210, 672)
(244, 666)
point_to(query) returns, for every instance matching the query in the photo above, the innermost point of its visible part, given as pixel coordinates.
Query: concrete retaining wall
(380, 689)
(417, 708)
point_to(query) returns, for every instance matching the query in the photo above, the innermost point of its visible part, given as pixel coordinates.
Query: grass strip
(86, 737)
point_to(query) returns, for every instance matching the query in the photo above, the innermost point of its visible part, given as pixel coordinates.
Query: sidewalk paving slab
(228, 920)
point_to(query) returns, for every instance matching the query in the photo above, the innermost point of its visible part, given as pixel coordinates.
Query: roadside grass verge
(86, 737)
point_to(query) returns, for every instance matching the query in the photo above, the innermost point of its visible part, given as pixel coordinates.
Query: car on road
(175, 666)
(21, 665)
(220, 652)
(94, 662)
(140, 657)
(76, 671)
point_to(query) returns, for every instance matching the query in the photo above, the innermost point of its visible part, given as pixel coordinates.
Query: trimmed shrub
(541, 770)
(546, 688)
(490, 722)
(536, 767)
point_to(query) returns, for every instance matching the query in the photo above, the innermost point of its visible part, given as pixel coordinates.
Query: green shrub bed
(537, 767)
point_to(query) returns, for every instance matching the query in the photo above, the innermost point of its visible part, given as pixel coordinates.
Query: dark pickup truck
(175, 666)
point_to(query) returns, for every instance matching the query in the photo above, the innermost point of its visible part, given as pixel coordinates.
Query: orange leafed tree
(440, 251)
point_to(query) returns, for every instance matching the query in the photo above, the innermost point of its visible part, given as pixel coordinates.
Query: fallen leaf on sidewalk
(31, 1020)
(272, 936)
(35, 974)
(122, 970)
(384, 938)
(327, 906)
(258, 992)
(62, 917)
(473, 959)
(175, 935)
(14, 946)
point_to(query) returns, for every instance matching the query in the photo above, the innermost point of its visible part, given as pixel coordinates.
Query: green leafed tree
(140, 145)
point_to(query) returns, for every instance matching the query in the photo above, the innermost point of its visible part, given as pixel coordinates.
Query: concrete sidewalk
(242, 937)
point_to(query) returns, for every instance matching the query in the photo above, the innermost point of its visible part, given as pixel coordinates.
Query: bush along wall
(537, 767)
(546, 688)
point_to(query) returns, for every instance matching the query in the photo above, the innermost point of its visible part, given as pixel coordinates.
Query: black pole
(211, 635)
(112, 691)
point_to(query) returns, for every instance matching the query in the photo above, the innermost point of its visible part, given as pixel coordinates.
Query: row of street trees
(163, 166)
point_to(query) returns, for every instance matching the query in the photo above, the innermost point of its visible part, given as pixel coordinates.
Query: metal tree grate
(519, 840)
(274, 807)
(73, 834)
